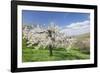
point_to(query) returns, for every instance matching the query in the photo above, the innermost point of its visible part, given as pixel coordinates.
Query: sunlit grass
(30, 54)
(33, 55)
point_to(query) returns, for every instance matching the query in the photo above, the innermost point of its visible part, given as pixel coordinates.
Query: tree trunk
(50, 50)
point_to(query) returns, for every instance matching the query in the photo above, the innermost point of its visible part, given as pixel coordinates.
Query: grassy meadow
(78, 51)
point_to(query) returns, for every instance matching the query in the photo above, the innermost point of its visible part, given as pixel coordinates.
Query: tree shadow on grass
(64, 55)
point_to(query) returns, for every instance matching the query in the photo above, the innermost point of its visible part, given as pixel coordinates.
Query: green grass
(34, 55)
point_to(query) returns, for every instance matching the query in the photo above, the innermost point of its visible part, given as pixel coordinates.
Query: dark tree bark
(51, 50)
(50, 45)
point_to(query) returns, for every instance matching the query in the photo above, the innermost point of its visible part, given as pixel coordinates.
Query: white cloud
(78, 24)
(77, 28)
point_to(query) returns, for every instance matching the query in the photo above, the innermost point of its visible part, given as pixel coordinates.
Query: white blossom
(40, 36)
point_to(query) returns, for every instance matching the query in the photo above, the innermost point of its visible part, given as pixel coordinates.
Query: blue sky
(60, 18)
